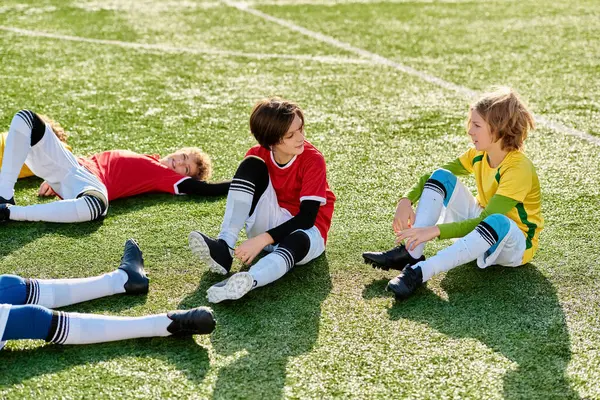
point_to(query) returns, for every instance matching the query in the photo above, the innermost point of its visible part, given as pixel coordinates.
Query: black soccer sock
(248, 185)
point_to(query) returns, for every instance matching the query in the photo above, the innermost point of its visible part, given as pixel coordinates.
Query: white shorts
(4, 311)
(268, 215)
(49, 160)
(462, 206)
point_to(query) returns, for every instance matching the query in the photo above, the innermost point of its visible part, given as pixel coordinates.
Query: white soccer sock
(271, 267)
(237, 210)
(17, 146)
(462, 251)
(54, 293)
(75, 328)
(65, 211)
(428, 212)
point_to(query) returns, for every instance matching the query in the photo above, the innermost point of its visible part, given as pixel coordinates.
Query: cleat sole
(235, 287)
(375, 265)
(201, 250)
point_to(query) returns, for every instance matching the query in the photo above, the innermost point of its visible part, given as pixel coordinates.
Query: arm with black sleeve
(305, 219)
(203, 188)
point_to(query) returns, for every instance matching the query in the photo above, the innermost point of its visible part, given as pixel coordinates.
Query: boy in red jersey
(280, 193)
(87, 185)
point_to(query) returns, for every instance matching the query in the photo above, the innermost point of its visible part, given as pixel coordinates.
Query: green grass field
(152, 76)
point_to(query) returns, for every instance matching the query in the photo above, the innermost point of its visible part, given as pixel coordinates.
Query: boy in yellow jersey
(500, 226)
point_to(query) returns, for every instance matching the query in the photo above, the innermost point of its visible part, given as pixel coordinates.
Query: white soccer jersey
(4, 310)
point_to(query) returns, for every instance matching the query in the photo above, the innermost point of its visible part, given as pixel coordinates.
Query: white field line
(368, 58)
(188, 50)
(328, 3)
(377, 59)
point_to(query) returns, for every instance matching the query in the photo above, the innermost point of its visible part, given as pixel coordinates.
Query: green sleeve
(498, 205)
(414, 194)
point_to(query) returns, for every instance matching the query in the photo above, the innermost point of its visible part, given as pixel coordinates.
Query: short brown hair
(202, 162)
(507, 115)
(271, 118)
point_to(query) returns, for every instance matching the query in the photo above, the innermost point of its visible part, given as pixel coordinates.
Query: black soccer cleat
(396, 258)
(197, 321)
(132, 263)
(4, 212)
(9, 201)
(406, 283)
(214, 253)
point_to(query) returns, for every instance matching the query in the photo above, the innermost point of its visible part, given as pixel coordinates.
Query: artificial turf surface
(326, 329)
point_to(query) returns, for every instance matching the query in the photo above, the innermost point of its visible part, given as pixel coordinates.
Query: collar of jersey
(508, 155)
(286, 165)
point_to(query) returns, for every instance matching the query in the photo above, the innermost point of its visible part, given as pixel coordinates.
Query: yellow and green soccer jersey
(25, 172)
(516, 179)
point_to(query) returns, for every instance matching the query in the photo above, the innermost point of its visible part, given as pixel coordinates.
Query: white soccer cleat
(231, 289)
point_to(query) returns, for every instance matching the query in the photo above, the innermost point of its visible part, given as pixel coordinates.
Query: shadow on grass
(137, 203)
(109, 304)
(185, 354)
(514, 311)
(15, 235)
(265, 328)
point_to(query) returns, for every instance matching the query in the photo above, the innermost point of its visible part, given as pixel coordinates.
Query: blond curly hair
(202, 161)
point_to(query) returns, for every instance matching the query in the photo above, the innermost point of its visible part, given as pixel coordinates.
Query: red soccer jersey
(125, 173)
(303, 178)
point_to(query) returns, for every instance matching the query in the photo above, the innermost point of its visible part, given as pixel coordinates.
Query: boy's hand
(415, 236)
(404, 217)
(249, 249)
(46, 190)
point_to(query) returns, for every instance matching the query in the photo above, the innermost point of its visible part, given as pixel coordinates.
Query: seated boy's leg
(26, 129)
(299, 247)
(296, 249)
(37, 322)
(508, 251)
(443, 194)
(488, 235)
(247, 187)
(249, 191)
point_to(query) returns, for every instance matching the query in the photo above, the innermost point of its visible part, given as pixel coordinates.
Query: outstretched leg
(82, 209)
(37, 322)
(129, 278)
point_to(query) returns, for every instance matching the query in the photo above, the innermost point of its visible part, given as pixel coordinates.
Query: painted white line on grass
(188, 50)
(376, 58)
(331, 3)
